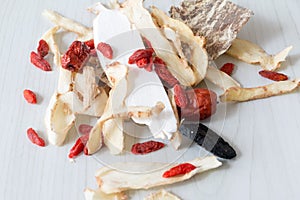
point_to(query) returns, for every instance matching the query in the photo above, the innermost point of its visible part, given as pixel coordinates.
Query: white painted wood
(264, 132)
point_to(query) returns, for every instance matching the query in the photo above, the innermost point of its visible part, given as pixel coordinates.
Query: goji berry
(139, 54)
(142, 63)
(90, 44)
(105, 49)
(30, 96)
(181, 169)
(180, 96)
(78, 146)
(163, 73)
(227, 68)
(39, 62)
(35, 138)
(43, 48)
(84, 128)
(202, 104)
(146, 147)
(75, 57)
(275, 76)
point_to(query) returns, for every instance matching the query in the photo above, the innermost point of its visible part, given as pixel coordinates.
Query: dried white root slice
(198, 56)
(253, 54)
(68, 24)
(113, 135)
(85, 85)
(143, 21)
(99, 195)
(95, 109)
(49, 37)
(117, 74)
(221, 79)
(147, 175)
(247, 94)
(59, 117)
(161, 195)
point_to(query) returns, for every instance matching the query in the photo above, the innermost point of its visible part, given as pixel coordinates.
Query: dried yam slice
(99, 195)
(59, 117)
(161, 195)
(143, 21)
(247, 94)
(253, 54)
(120, 177)
(221, 79)
(197, 55)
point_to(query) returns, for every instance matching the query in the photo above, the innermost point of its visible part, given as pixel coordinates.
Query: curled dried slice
(246, 94)
(49, 37)
(162, 195)
(143, 21)
(254, 54)
(99, 195)
(198, 56)
(67, 24)
(113, 135)
(59, 117)
(147, 175)
(221, 79)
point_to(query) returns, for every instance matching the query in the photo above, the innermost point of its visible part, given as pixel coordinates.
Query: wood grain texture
(264, 132)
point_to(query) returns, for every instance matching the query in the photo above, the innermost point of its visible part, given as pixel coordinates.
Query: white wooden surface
(265, 132)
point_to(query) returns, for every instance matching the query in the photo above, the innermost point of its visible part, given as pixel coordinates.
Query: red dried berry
(275, 76)
(43, 48)
(78, 146)
(139, 54)
(75, 57)
(180, 96)
(163, 73)
(227, 68)
(181, 169)
(143, 62)
(30, 96)
(146, 147)
(105, 49)
(35, 138)
(39, 62)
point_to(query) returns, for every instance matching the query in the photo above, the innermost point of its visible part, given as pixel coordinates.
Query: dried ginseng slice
(253, 54)
(247, 94)
(111, 180)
